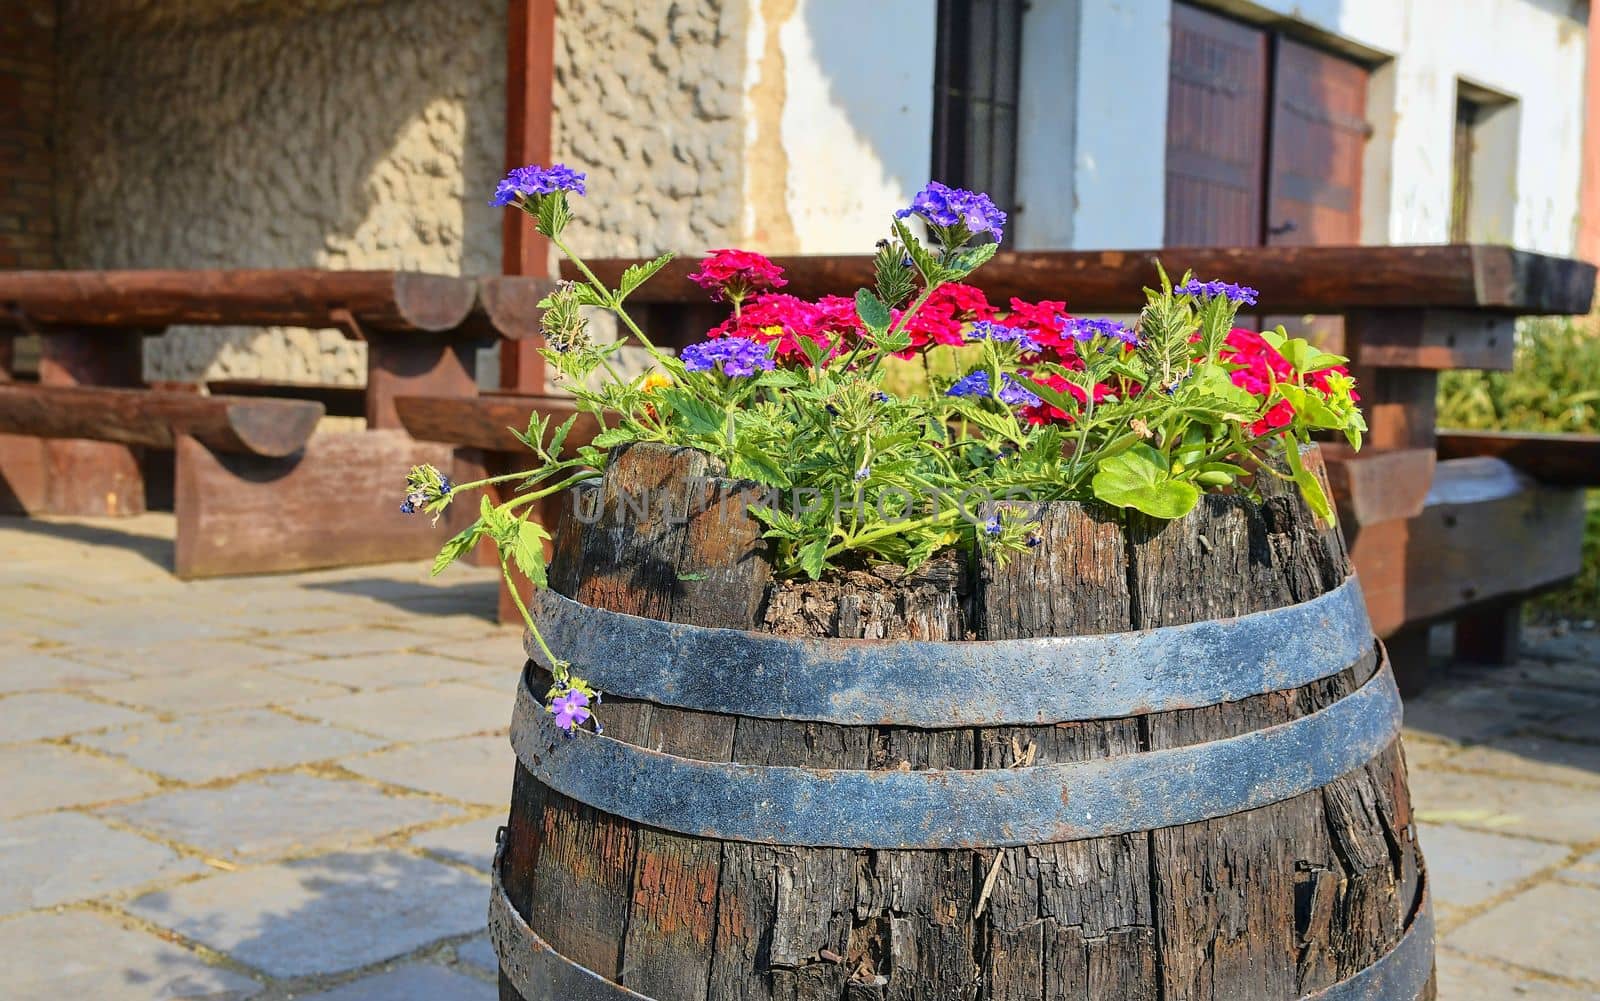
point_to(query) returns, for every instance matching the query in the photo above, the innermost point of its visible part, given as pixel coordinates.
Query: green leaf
(872, 311)
(458, 546)
(812, 557)
(551, 213)
(933, 273)
(699, 417)
(612, 437)
(967, 261)
(1138, 478)
(527, 551)
(560, 437)
(750, 462)
(638, 274)
(1310, 489)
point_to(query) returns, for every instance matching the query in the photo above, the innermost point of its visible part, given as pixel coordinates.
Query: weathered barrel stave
(1275, 902)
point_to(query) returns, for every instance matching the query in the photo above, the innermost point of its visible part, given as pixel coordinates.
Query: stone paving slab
(126, 625)
(42, 715)
(277, 815)
(414, 714)
(61, 858)
(73, 955)
(1534, 757)
(347, 642)
(39, 777)
(478, 953)
(1585, 870)
(1465, 979)
(501, 650)
(471, 843)
(413, 982)
(474, 769)
(1468, 868)
(213, 690)
(323, 915)
(378, 670)
(1583, 725)
(1562, 920)
(1533, 809)
(226, 744)
(184, 658)
(27, 670)
(1479, 712)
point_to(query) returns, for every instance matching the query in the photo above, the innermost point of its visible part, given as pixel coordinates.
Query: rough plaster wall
(279, 133)
(648, 97)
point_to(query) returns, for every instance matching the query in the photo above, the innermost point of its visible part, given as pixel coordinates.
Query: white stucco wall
(1529, 50)
(838, 126)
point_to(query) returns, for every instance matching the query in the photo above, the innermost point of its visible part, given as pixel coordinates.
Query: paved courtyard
(288, 787)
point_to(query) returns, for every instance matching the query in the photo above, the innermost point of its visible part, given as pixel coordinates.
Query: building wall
(27, 99)
(648, 102)
(1529, 50)
(279, 133)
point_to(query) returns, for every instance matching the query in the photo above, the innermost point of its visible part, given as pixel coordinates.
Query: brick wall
(27, 110)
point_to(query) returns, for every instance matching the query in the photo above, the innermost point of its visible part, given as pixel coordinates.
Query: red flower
(1045, 413)
(731, 275)
(1279, 416)
(786, 319)
(1045, 321)
(941, 318)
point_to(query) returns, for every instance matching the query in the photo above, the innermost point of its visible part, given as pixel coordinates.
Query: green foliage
(1553, 387)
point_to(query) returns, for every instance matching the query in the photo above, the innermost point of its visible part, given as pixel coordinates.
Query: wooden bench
(271, 503)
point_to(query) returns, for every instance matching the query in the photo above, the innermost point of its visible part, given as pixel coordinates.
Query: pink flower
(1045, 413)
(731, 275)
(941, 318)
(776, 317)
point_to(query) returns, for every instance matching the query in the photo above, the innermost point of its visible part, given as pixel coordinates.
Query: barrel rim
(1401, 974)
(955, 808)
(958, 683)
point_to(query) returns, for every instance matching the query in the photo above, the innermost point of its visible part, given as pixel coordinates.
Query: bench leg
(89, 478)
(1408, 655)
(1490, 636)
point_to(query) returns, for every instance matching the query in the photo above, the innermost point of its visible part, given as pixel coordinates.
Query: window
(975, 79)
(1483, 176)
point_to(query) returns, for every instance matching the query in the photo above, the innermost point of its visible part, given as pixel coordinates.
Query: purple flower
(988, 330)
(880, 397)
(570, 710)
(992, 526)
(1034, 542)
(1082, 330)
(947, 207)
(445, 486)
(1212, 289)
(533, 180)
(737, 357)
(414, 500)
(863, 473)
(976, 383)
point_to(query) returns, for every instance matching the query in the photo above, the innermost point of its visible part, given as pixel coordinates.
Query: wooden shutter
(1319, 136)
(1216, 130)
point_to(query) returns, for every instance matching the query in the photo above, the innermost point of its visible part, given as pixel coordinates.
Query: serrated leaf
(458, 546)
(551, 213)
(638, 274)
(967, 261)
(527, 551)
(1138, 478)
(560, 437)
(612, 437)
(751, 463)
(699, 417)
(872, 311)
(812, 557)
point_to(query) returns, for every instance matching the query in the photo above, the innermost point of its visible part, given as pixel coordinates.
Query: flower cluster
(736, 358)
(977, 384)
(1000, 333)
(961, 214)
(731, 275)
(529, 182)
(1083, 331)
(1237, 294)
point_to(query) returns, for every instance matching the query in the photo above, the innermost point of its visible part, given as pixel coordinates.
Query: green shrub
(1555, 387)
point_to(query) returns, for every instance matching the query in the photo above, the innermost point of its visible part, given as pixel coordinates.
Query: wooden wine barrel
(1143, 760)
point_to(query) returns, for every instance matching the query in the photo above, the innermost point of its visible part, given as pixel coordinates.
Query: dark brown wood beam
(377, 300)
(336, 401)
(1291, 279)
(154, 419)
(1566, 460)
